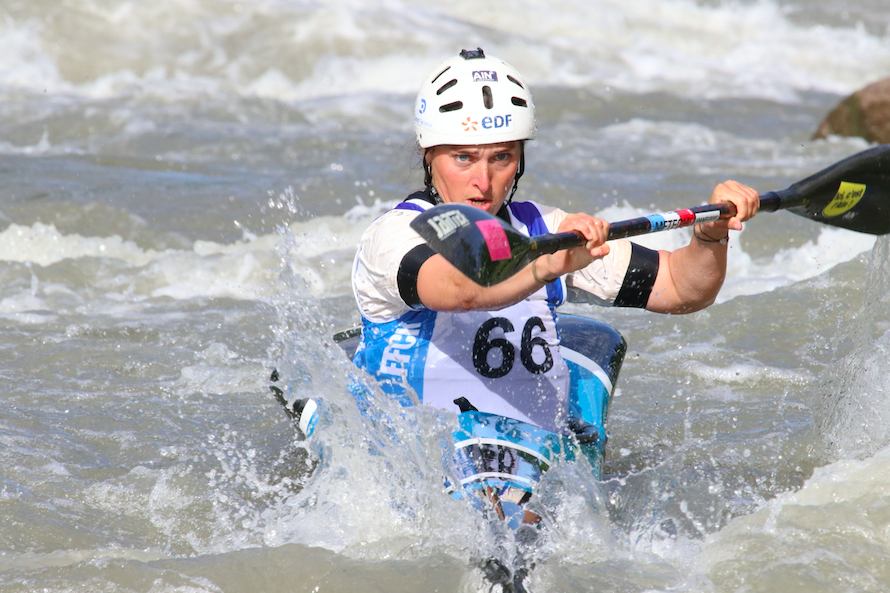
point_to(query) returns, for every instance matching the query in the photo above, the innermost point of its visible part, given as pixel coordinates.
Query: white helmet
(472, 99)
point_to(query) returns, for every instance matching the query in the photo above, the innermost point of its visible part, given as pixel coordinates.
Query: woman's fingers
(594, 230)
(745, 199)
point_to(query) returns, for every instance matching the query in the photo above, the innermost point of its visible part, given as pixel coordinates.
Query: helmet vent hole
(519, 102)
(433, 81)
(451, 107)
(446, 86)
(514, 81)
(487, 99)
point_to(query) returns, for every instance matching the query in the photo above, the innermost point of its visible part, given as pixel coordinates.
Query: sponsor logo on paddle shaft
(847, 196)
(447, 223)
(671, 220)
(485, 76)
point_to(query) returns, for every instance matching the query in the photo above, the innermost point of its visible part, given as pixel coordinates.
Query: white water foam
(341, 49)
(830, 531)
(247, 269)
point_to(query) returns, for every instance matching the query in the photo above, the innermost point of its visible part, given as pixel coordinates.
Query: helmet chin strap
(519, 171)
(428, 178)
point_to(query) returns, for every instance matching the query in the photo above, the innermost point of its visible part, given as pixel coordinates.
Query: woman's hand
(594, 230)
(745, 200)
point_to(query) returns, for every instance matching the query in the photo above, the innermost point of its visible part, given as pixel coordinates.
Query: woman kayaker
(431, 335)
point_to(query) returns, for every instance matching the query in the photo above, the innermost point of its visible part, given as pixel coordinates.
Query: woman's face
(480, 176)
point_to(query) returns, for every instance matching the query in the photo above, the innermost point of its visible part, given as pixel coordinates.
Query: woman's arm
(442, 287)
(689, 278)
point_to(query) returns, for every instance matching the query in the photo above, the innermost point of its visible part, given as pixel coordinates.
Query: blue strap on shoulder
(408, 206)
(528, 214)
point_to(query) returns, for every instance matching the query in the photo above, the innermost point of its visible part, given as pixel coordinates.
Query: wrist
(711, 235)
(539, 278)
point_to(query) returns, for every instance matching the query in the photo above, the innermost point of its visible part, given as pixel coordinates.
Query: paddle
(852, 194)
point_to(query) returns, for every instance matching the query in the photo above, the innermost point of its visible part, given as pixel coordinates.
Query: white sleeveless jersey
(504, 362)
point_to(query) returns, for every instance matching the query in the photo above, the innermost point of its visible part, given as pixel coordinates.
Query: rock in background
(865, 113)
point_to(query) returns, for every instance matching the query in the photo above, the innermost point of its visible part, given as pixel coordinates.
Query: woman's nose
(482, 177)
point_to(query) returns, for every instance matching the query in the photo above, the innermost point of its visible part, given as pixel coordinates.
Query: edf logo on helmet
(489, 122)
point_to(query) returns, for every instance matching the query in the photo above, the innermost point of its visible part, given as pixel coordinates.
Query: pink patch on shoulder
(495, 239)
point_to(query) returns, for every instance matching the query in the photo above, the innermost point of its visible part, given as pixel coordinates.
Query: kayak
(499, 459)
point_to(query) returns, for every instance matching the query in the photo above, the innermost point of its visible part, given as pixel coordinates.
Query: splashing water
(855, 417)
